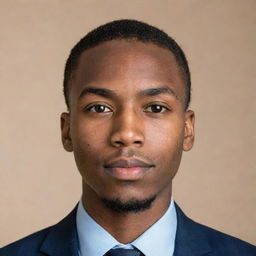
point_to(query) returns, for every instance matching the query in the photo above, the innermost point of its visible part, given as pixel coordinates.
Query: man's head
(128, 122)
(129, 30)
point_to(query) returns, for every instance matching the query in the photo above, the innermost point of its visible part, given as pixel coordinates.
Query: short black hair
(126, 29)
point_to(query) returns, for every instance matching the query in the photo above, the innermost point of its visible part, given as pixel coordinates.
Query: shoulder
(59, 239)
(193, 236)
(27, 246)
(227, 244)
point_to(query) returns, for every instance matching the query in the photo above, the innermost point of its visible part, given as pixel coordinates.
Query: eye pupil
(156, 108)
(100, 108)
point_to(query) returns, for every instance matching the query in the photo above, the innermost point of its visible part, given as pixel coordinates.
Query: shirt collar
(159, 239)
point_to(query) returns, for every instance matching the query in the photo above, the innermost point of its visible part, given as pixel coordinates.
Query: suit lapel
(190, 239)
(62, 238)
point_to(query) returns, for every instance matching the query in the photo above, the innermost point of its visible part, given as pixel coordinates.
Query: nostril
(119, 143)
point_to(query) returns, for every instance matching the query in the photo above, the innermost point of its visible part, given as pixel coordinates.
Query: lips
(129, 163)
(127, 169)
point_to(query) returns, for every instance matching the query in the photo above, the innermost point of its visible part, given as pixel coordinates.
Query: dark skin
(127, 102)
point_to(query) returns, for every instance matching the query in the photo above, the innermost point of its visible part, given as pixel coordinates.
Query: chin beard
(131, 206)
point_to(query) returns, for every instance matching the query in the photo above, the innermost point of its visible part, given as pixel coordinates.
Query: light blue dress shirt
(159, 239)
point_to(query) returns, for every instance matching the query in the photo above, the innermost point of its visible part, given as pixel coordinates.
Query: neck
(125, 227)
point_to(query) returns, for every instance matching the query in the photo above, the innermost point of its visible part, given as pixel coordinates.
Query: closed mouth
(128, 163)
(128, 169)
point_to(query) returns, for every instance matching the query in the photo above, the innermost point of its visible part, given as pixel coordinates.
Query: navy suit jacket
(192, 239)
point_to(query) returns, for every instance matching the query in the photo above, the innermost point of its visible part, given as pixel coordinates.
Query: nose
(127, 130)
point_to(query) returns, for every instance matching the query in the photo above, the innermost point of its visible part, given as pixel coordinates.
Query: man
(127, 89)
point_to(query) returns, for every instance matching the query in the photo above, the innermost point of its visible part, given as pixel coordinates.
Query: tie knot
(124, 252)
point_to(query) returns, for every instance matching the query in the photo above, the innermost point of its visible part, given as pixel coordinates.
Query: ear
(65, 132)
(189, 134)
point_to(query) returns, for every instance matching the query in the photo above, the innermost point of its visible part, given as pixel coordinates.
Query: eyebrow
(107, 93)
(98, 91)
(157, 91)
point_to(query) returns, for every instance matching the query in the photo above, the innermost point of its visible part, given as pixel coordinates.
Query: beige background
(39, 183)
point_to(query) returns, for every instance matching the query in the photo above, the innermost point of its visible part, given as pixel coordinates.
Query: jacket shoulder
(27, 246)
(225, 244)
(59, 239)
(200, 239)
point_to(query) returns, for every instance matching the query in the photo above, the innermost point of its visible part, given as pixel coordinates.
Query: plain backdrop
(216, 182)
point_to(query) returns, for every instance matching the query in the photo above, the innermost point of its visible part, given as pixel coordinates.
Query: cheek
(166, 143)
(85, 142)
(86, 135)
(166, 135)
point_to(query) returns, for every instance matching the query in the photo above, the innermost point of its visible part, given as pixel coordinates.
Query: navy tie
(124, 252)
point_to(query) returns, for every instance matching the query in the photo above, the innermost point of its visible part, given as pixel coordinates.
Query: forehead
(127, 65)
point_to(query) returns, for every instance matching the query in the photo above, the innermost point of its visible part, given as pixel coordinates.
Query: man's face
(127, 124)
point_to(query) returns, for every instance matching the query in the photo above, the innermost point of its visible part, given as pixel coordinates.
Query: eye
(156, 108)
(98, 109)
